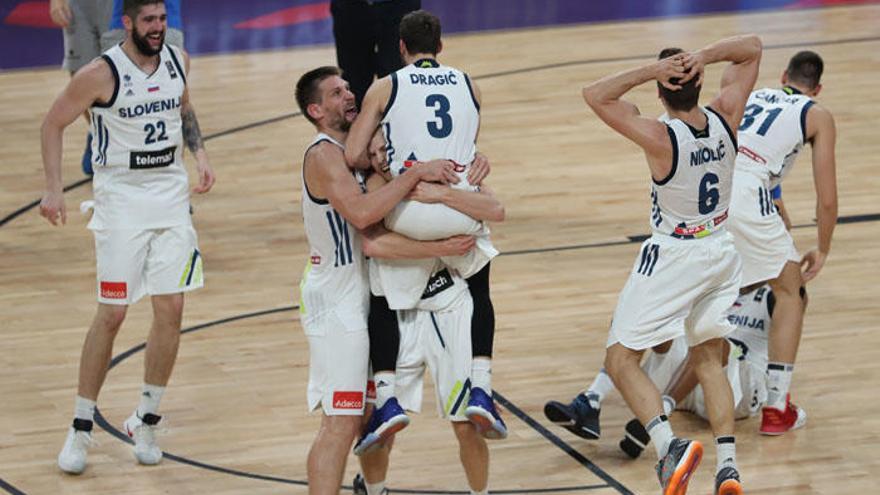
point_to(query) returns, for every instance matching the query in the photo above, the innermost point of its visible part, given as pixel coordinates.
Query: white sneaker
(72, 458)
(146, 451)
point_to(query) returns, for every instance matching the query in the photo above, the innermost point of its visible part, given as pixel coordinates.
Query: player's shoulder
(324, 150)
(99, 68)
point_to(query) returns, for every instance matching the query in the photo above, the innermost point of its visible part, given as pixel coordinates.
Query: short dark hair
(307, 87)
(132, 8)
(805, 68)
(685, 98)
(420, 32)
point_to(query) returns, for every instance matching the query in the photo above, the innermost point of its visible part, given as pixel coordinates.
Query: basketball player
(145, 243)
(426, 110)
(93, 26)
(688, 272)
(775, 127)
(335, 290)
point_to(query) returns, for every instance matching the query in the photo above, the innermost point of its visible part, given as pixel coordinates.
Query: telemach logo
(152, 159)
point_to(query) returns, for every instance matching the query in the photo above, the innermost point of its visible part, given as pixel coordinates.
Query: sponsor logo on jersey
(151, 159)
(438, 282)
(448, 79)
(171, 71)
(150, 107)
(705, 155)
(348, 400)
(114, 290)
(130, 92)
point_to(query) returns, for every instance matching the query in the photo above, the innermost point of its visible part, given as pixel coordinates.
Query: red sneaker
(776, 422)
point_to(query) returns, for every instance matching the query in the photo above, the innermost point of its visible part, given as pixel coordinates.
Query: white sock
(484, 491)
(725, 452)
(601, 386)
(661, 434)
(481, 374)
(375, 488)
(668, 404)
(384, 387)
(150, 397)
(84, 409)
(778, 383)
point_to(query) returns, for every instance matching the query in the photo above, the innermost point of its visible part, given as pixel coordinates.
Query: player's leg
(388, 16)
(329, 452)
(355, 44)
(481, 407)
(474, 455)
(779, 414)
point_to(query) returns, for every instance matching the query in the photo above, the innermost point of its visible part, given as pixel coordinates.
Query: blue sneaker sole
(558, 414)
(376, 439)
(486, 424)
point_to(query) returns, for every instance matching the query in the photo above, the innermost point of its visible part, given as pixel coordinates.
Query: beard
(143, 46)
(344, 125)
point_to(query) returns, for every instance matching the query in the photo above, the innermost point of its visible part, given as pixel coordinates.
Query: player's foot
(87, 157)
(72, 458)
(776, 422)
(578, 417)
(143, 432)
(359, 485)
(482, 413)
(384, 422)
(676, 467)
(727, 482)
(636, 439)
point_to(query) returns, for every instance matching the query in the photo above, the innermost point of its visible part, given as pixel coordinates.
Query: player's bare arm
(822, 133)
(379, 242)
(372, 108)
(482, 205)
(93, 83)
(192, 136)
(604, 98)
(328, 176)
(738, 79)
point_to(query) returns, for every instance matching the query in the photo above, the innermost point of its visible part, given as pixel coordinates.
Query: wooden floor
(574, 191)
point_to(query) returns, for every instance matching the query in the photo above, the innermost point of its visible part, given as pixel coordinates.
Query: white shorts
(758, 231)
(678, 287)
(662, 368)
(339, 356)
(440, 340)
(135, 263)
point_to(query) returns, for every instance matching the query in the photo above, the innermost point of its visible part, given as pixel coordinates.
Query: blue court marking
(609, 481)
(9, 488)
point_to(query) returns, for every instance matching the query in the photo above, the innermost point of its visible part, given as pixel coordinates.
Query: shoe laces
(83, 439)
(581, 406)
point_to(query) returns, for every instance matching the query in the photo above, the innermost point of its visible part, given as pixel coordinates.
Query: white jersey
(140, 181)
(335, 277)
(751, 314)
(772, 132)
(692, 201)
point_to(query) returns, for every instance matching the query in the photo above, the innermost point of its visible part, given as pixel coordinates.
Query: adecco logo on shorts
(348, 400)
(114, 290)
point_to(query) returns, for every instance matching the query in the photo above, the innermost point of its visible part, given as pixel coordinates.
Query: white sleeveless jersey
(432, 114)
(692, 201)
(140, 181)
(772, 132)
(751, 315)
(335, 277)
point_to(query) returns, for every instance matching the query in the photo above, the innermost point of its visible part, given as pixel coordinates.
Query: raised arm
(821, 132)
(371, 111)
(738, 79)
(92, 83)
(192, 136)
(604, 97)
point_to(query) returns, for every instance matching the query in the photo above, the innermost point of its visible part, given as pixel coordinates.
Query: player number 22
(152, 129)
(440, 104)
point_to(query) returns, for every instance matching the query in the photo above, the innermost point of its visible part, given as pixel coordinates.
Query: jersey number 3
(440, 104)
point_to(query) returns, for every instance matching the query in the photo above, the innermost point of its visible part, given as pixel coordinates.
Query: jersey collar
(791, 91)
(426, 63)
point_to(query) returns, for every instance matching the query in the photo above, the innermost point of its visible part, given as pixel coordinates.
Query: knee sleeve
(384, 335)
(483, 318)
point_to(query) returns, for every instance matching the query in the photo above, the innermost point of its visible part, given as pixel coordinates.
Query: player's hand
(812, 262)
(428, 192)
(59, 11)
(479, 169)
(206, 177)
(455, 246)
(694, 67)
(442, 171)
(52, 207)
(670, 68)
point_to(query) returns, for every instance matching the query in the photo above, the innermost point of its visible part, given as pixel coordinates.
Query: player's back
(432, 114)
(772, 132)
(335, 277)
(692, 201)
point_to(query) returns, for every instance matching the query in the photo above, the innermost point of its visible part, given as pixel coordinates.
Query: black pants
(385, 332)
(367, 39)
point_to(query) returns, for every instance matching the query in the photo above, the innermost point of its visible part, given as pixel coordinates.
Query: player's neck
(794, 89)
(337, 134)
(415, 57)
(147, 63)
(695, 117)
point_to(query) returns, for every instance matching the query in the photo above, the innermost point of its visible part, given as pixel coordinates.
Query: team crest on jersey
(171, 71)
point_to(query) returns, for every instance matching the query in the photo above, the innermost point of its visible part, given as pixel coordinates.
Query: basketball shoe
(636, 439)
(675, 468)
(776, 422)
(482, 413)
(72, 458)
(384, 422)
(727, 482)
(578, 417)
(143, 432)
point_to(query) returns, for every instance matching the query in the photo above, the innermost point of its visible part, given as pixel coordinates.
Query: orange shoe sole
(679, 482)
(730, 487)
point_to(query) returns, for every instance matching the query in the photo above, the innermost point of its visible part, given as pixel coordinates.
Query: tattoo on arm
(192, 135)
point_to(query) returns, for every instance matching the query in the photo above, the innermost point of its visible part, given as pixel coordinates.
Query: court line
(24, 209)
(102, 422)
(9, 488)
